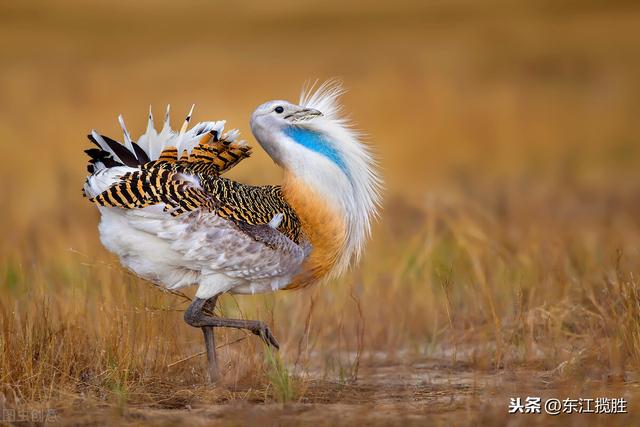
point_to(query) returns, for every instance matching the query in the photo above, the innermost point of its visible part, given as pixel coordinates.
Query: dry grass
(507, 262)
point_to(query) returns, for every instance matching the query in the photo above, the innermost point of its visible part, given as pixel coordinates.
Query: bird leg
(210, 342)
(195, 316)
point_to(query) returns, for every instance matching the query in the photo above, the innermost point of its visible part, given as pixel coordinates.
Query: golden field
(506, 262)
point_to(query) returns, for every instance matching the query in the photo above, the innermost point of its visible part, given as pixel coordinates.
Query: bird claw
(263, 331)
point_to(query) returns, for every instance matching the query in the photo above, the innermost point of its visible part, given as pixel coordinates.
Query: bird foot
(262, 330)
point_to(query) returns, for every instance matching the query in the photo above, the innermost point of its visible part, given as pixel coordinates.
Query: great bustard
(171, 217)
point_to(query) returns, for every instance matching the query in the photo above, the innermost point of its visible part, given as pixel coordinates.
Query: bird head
(314, 144)
(310, 138)
(282, 113)
(272, 121)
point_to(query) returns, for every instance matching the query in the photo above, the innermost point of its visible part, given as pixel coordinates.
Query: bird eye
(279, 109)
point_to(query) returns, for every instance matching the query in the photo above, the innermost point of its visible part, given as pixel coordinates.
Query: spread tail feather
(221, 148)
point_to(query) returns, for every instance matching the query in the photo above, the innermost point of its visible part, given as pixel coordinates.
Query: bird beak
(304, 114)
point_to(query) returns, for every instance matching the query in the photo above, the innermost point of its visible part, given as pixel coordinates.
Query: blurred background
(446, 90)
(508, 135)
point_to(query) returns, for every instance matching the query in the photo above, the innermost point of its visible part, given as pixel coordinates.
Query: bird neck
(323, 222)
